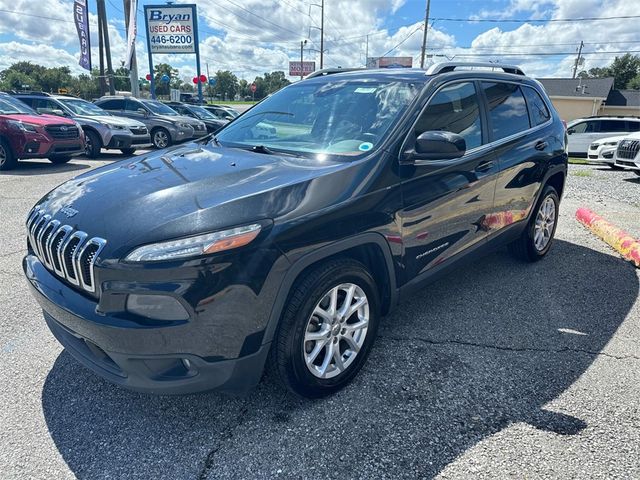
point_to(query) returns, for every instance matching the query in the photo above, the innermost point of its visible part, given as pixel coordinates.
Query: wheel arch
(370, 249)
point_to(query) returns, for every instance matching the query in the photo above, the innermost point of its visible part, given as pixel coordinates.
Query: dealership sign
(81, 19)
(307, 67)
(170, 28)
(389, 62)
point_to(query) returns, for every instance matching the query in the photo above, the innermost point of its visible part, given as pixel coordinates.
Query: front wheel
(327, 329)
(92, 144)
(535, 242)
(8, 160)
(161, 138)
(60, 159)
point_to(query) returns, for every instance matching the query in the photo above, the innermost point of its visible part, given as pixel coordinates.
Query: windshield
(202, 113)
(82, 107)
(11, 106)
(159, 108)
(341, 117)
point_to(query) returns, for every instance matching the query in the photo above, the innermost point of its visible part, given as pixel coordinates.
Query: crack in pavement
(509, 349)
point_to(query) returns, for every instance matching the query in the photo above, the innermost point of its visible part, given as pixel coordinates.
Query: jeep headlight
(196, 246)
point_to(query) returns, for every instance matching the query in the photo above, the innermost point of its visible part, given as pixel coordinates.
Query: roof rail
(42, 94)
(331, 71)
(443, 67)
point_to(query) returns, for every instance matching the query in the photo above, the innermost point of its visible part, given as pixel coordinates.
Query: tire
(93, 144)
(292, 345)
(526, 247)
(8, 160)
(161, 137)
(60, 159)
(128, 151)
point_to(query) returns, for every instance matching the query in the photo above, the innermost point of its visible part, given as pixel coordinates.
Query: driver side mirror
(570, 131)
(436, 145)
(142, 111)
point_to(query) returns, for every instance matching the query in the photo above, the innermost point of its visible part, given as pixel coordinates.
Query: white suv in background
(584, 131)
(604, 151)
(628, 153)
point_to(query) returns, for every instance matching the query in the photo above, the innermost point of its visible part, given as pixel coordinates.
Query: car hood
(113, 120)
(41, 119)
(192, 189)
(617, 138)
(180, 118)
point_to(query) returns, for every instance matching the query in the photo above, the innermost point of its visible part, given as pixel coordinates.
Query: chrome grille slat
(70, 254)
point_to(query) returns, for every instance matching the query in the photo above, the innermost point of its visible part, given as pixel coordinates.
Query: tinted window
(633, 126)
(112, 104)
(585, 127)
(537, 108)
(613, 126)
(455, 109)
(132, 106)
(507, 109)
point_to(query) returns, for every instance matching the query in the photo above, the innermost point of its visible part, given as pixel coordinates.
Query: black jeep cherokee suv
(283, 241)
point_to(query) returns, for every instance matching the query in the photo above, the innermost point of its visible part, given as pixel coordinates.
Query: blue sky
(250, 37)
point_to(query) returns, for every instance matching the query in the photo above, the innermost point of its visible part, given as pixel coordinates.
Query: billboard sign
(171, 28)
(296, 71)
(390, 62)
(81, 19)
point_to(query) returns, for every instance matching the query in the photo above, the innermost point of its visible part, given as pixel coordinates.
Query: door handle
(484, 166)
(541, 145)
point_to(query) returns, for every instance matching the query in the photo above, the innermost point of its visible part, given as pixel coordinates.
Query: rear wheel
(535, 242)
(58, 159)
(161, 138)
(8, 161)
(327, 329)
(92, 144)
(128, 151)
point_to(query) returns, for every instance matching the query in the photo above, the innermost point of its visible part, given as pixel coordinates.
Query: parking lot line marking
(618, 239)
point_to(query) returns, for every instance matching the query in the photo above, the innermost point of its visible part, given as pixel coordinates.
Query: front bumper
(128, 141)
(38, 145)
(629, 164)
(151, 358)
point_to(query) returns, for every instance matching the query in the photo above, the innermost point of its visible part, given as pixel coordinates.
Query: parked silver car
(165, 124)
(101, 129)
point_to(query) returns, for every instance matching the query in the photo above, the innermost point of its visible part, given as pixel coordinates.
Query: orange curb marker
(618, 239)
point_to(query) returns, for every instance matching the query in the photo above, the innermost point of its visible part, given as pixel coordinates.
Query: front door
(445, 203)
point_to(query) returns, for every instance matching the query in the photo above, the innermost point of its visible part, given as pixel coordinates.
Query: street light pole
(424, 34)
(302, 44)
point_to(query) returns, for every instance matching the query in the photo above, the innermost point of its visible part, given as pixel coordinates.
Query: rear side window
(112, 104)
(613, 126)
(633, 126)
(538, 110)
(454, 109)
(507, 109)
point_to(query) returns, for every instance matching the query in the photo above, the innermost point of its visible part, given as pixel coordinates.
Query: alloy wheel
(3, 155)
(545, 221)
(336, 330)
(160, 139)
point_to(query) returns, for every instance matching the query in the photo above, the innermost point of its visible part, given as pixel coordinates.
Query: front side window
(455, 109)
(537, 108)
(335, 116)
(507, 109)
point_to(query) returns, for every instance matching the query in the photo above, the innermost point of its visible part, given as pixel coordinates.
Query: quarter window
(537, 108)
(455, 108)
(507, 109)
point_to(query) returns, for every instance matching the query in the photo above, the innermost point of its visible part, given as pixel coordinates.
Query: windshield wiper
(262, 149)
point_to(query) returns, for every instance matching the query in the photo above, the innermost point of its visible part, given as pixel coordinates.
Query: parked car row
(42, 125)
(622, 151)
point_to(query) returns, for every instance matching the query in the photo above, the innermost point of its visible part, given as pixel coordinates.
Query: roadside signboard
(296, 71)
(253, 87)
(172, 28)
(389, 62)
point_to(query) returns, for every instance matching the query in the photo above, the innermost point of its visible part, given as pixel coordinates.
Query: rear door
(445, 201)
(522, 132)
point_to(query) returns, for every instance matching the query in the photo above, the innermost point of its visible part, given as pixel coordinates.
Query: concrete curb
(618, 239)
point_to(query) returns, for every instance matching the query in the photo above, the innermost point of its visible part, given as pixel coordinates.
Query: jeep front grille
(69, 253)
(628, 149)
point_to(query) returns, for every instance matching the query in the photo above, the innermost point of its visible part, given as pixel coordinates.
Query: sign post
(172, 29)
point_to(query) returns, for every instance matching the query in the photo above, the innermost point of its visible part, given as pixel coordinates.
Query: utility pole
(102, 17)
(424, 34)
(322, 35)
(101, 78)
(133, 71)
(302, 44)
(575, 66)
(366, 54)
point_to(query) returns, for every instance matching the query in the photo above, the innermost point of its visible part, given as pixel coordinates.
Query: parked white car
(584, 131)
(604, 150)
(628, 153)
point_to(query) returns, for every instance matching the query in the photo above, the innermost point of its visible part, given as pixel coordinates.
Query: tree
(226, 84)
(623, 69)
(634, 83)
(159, 71)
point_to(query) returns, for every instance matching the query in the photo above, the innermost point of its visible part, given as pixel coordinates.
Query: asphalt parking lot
(505, 370)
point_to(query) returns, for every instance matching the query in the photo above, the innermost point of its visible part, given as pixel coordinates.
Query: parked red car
(24, 133)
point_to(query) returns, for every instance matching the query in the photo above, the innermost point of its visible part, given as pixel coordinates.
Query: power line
(534, 54)
(402, 41)
(535, 20)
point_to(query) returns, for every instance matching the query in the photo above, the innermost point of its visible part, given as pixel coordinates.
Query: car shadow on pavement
(635, 179)
(480, 350)
(43, 167)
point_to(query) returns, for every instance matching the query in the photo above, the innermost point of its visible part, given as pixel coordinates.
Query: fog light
(157, 307)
